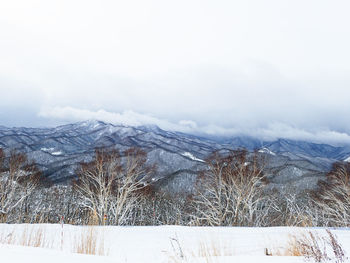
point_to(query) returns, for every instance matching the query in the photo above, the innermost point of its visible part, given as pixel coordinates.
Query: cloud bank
(130, 118)
(263, 68)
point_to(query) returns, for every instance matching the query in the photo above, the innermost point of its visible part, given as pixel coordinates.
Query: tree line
(116, 188)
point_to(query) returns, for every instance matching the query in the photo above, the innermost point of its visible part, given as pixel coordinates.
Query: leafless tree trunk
(17, 183)
(333, 197)
(292, 209)
(109, 184)
(231, 191)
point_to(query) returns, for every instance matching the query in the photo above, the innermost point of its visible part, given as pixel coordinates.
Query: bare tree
(231, 191)
(291, 209)
(109, 184)
(17, 183)
(2, 157)
(333, 197)
(157, 208)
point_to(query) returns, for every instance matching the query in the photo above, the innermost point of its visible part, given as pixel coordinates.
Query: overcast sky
(263, 68)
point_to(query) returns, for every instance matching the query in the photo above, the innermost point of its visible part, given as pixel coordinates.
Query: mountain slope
(178, 156)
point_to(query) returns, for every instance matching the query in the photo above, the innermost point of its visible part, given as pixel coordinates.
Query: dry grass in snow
(29, 236)
(175, 243)
(87, 240)
(91, 242)
(315, 247)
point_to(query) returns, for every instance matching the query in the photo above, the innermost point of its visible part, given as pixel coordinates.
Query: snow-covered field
(150, 244)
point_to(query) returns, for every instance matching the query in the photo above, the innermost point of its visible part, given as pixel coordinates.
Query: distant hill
(178, 156)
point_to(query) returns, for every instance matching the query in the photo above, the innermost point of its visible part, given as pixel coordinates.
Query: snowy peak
(266, 150)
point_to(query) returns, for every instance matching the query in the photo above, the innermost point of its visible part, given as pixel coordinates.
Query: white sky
(268, 68)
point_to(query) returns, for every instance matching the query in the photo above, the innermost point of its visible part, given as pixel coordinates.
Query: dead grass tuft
(206, 252)
(90, 242)
(34, 237)
(210, 250)
(314, 247)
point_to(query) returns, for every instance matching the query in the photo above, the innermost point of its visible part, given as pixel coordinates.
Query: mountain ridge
(59, 150)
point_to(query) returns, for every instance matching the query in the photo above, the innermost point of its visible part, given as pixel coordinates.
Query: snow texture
(266, 150)
(57, 153)
(157, 244)
(192, 157)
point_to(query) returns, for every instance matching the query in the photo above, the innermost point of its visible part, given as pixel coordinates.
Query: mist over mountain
(178, 156)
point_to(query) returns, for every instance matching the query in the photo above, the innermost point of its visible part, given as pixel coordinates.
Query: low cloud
(272, 131)
(204, 74)
(128, 118)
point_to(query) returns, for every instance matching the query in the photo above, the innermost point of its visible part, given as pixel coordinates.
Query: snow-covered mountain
(178, 156)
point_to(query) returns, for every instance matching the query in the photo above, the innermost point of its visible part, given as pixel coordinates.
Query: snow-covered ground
(192, 157)
(151, 244)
